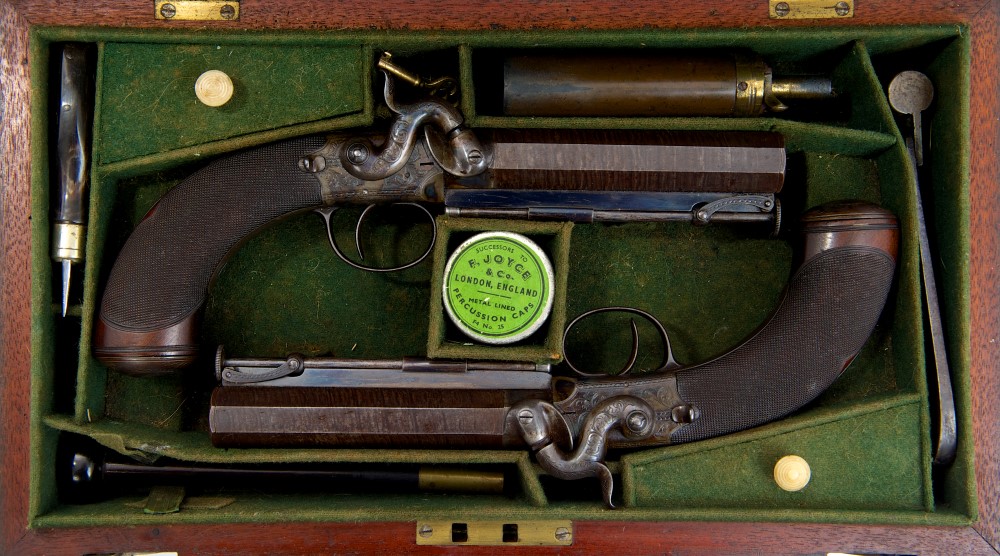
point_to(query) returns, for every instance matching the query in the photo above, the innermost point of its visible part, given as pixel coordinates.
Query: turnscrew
(475, 156)
(227, 12)
(781, 9)
(563, 534)
(168, 11)
(742, 86)
(842, 9)
(426, 531)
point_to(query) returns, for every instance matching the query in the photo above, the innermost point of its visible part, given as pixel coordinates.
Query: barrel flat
(631, 160)
(243, 416)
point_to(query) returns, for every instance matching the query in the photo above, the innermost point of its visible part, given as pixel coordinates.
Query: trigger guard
(669, 363)
(327, 212)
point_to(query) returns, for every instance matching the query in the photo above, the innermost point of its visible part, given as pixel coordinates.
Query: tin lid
(498, 287)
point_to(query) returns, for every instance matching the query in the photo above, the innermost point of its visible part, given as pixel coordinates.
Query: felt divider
(879, 440)
(89, 398)
(170, 159)
(949, 210)
(147, 444)
(151, 86)
(859, 157)
(90, 379)
(43, 300)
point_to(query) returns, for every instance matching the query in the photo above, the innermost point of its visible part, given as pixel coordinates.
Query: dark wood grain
(985, 266)
(15, 275)
(591, 537)
(489, 14)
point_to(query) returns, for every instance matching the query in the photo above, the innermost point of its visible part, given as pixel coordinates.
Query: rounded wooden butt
(849, 224)
(147, 352)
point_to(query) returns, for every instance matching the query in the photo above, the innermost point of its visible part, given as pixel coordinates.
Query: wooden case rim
(18, 17)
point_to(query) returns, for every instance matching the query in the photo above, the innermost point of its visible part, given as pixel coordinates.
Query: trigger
(357, 231)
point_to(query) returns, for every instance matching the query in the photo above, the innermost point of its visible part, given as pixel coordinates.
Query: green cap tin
(498, 287)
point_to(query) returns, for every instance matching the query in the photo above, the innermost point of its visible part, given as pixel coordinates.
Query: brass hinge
(197, 10)
(810, 9)
(495, 533)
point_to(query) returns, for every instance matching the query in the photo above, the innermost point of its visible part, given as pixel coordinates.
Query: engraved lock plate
(810, 9)
(197, 10)
(495, 533)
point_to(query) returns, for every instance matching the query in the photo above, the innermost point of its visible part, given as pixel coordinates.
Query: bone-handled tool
(911, 92)
(73, 154)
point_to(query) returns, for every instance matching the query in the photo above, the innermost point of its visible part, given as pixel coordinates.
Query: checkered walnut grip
(827, 315)
(163, 272)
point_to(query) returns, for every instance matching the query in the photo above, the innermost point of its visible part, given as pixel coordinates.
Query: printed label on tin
(497, 287)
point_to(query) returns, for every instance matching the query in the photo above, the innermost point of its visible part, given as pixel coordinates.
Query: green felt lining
(861, 448)
(149, 86)
(948, 211)
(321, 508)
(859, 157)
(44, 313)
